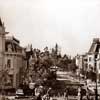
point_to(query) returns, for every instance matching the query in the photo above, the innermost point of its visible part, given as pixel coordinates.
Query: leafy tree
(91, 75)
(41, 61)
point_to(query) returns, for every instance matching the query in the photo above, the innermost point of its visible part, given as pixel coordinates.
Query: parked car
(19, 93)
(10, 97)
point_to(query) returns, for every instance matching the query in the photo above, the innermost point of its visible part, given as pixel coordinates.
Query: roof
(95, 46)
(11, 38)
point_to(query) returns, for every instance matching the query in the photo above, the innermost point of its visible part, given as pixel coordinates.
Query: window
(90, 58)
(9, 48)
(9, 63)
(90, 66)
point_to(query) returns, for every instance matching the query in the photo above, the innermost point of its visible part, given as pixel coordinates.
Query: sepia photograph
(49, 49)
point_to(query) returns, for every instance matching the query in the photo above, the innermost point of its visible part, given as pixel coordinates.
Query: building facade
(93, 53)
(81, 62)
(91, 60)
(12, 59)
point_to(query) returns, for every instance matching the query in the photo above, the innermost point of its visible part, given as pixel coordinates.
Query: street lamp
(96, 91)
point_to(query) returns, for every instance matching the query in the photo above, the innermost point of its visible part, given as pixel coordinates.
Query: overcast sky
(70, 23)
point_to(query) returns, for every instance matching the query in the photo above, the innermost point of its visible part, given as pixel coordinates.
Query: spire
(0, 22)
(2, 27)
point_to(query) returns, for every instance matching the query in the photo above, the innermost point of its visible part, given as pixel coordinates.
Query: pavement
(75, 98)
(62, 98)
(56, 98)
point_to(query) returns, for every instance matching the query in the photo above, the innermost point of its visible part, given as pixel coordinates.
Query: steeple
(2, 27)
(0, 22)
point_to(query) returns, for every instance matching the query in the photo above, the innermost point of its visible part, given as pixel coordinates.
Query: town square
(49, 50)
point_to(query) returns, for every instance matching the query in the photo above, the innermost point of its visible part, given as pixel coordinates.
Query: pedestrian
(82, 93)
(38, 93)
(47, 95)
(87, 94)
(66, 94)
(79, 93)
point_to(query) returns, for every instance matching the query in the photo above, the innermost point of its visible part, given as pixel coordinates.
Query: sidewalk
(74, 98)
(69, 98)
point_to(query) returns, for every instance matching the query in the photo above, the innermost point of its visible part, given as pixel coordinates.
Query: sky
(71, 23)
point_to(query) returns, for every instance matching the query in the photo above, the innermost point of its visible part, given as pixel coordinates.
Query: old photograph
(49, 49)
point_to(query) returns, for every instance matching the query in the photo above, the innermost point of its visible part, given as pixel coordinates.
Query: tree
(56, 49)
(41, 61)
(91, 75)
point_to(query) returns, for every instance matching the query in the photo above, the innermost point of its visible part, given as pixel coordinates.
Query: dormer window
(9, 48)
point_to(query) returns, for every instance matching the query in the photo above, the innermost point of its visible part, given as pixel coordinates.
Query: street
(57, 98)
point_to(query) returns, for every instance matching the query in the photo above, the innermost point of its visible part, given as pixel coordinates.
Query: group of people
(82, 92)
(40, 94)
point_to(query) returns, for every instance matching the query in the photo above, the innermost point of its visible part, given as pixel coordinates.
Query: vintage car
(19, 93)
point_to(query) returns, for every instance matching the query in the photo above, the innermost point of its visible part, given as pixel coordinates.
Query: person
(87, 94)
(38, 92)
(47, 95)
(79, 93)
(66, 94)
(39, 97)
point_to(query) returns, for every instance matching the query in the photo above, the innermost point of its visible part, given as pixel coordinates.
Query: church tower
(2, 44)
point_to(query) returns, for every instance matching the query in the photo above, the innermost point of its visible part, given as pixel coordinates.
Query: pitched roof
(95, 46)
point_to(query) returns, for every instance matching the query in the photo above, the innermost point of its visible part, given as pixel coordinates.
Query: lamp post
(96, 90)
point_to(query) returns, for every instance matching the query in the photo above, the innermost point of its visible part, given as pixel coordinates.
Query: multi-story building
(11, 59)
(94, 57)
(81, 62)
(93, 53)
(91, 60)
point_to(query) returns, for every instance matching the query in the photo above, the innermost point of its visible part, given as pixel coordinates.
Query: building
(91, 60)
(81, 62)
(94, 57)
(93, 54)
(12, 59)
